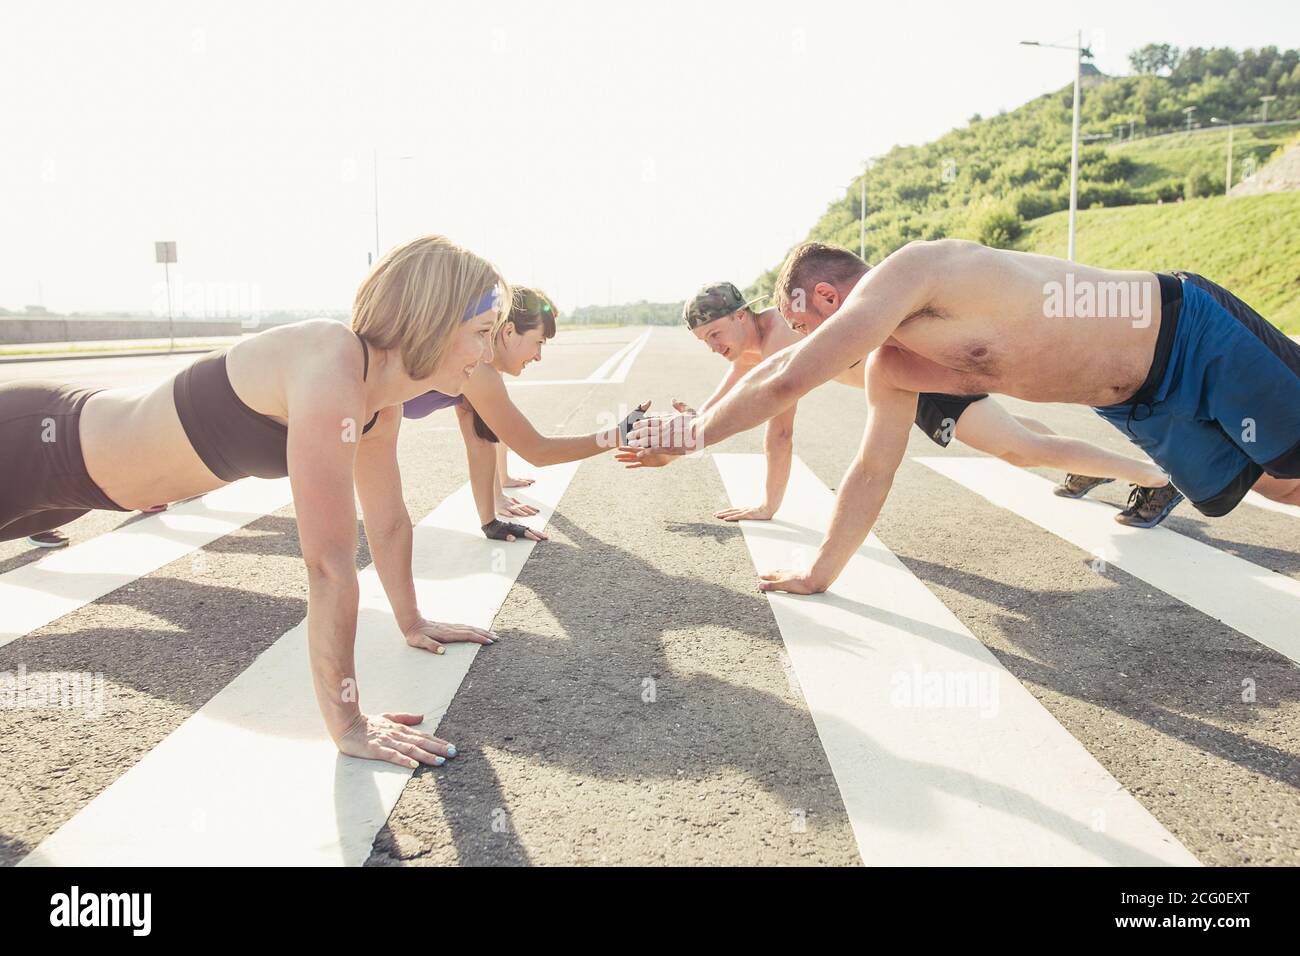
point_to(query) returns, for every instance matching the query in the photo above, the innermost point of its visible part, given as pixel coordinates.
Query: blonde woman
(316, 401)
(488, 417)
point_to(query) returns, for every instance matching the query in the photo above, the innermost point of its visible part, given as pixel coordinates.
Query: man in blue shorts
(1186, 370)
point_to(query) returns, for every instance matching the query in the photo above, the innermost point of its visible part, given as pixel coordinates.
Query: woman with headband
(488, 416)
(315, 401)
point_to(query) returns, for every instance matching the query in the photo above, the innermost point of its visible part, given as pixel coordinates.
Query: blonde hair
(415, 297)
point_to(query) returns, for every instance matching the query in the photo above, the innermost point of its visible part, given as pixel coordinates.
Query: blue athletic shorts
(1221, 405)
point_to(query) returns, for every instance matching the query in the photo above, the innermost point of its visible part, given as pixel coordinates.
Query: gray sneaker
(1147, 507)
(1076, 486)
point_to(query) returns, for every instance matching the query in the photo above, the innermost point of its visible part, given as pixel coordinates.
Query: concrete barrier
(48, 328)
(23, 329)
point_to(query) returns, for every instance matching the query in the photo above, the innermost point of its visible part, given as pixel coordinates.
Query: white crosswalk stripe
(941, 755)
(253, 778)
(613, 371)
(1259, 603)
(36, 594)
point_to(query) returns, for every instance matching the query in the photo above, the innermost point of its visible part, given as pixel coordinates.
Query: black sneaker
(1147, 507)
(49, 539)
(1076, 486)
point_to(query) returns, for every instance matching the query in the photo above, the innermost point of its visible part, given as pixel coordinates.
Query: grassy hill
(1249, 244)
(1201, 155)
(988, 179)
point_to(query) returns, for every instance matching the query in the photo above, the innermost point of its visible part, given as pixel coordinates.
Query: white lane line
(619, 375)
(602, 374)
(538, 382)
(38, 593)
(1261, 604)
(252, 778)
(623, 359)
(941, 756)
(1259, 501)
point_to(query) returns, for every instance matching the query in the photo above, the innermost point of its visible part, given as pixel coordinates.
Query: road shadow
(575, 703)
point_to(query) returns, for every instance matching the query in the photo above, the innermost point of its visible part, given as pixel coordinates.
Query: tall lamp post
(375, 169)
(1081, 52)
(862, 214)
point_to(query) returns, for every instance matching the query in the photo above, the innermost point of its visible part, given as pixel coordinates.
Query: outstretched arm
(734, 375)
(890, 412)
(900, 286)
(488, 394)
(632, 458)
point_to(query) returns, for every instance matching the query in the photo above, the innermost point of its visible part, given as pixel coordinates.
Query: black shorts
(937, 414)
(43, 479)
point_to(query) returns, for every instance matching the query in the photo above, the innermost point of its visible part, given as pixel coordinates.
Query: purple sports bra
(428, 403)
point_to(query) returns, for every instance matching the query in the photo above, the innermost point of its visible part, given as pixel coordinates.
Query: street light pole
(374, 167)
(1074, 147)
(1080, 51)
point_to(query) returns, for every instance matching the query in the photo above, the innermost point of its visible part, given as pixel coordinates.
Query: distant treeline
(631, 313)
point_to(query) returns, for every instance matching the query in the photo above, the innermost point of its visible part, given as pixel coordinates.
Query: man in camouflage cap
(724, 320)
(714, 301)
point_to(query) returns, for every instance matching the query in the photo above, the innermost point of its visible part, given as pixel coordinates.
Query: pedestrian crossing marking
(36, 594)
(940, 754)
(253, 778)
(1259, 603)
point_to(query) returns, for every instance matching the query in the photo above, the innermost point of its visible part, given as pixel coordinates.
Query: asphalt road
(565, 759)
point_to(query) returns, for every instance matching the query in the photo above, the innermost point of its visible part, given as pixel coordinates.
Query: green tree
(1153, 58)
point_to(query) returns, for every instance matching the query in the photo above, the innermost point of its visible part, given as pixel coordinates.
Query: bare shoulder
(950, 274)
(942, 254)
(316, 358)
(780, 336)
(484, 384)
(319, 352)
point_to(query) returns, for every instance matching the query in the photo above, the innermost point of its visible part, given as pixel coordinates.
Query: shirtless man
(1190, 373)
(721, 319)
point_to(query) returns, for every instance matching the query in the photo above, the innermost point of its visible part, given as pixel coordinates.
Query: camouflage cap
(714, 301)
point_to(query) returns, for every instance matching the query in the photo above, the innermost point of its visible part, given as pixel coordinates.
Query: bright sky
(602, 151)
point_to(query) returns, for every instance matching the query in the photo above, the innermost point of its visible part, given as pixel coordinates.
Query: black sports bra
(233, 440)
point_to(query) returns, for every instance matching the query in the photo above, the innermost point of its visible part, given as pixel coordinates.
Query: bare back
(1036, 327)
(121, 428)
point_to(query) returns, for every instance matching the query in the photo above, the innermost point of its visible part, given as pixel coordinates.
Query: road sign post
(165, 252)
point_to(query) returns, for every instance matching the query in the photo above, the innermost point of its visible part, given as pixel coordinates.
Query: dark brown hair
(529, 309)
(814, 262)
(532, 308)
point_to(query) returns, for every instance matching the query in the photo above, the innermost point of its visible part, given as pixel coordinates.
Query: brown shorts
(43, 479)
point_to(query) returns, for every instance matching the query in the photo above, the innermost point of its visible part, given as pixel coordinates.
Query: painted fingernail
(413, 764)
(440, 650)
(451, 750)
(439, 761)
